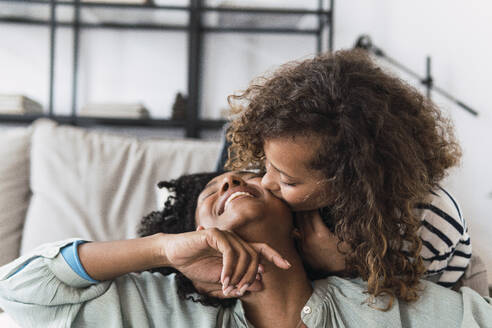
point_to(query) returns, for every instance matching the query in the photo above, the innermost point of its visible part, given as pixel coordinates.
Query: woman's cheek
(303, 200)
(294, 199)
(204, 218)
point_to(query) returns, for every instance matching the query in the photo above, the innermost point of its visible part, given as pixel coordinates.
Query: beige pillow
(14, 189)
(98, 186)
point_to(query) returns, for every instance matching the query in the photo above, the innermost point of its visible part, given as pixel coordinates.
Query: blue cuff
(71, 256)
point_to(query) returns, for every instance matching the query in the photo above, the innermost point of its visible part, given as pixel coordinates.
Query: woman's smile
(232, 193)
(237, 195)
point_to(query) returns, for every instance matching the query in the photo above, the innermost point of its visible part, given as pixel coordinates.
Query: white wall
(231, 61)
(456, 34)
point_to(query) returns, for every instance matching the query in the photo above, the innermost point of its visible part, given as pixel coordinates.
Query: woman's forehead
(292, 156)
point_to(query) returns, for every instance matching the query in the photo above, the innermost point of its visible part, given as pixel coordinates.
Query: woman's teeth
(236, 195)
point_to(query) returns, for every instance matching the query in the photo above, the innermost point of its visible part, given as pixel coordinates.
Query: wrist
(159, 241)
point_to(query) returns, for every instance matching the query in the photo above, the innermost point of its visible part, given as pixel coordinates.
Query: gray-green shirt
(41, 290)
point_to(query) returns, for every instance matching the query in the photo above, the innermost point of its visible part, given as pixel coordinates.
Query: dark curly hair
(384, 147)
(178, 216)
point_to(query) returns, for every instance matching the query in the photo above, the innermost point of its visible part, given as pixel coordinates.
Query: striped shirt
(446, 246)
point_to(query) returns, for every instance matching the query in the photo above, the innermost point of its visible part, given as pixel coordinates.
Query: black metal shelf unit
(194, 30)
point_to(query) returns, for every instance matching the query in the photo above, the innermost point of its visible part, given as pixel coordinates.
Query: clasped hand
(218, 262)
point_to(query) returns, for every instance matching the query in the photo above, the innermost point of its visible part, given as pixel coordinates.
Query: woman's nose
(269, 183)
(230, 181)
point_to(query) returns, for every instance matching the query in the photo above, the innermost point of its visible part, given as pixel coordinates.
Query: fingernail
(228, 290)
(261, 269)
(243, 289)
(225, 284)
(258, 276)
(288, 263)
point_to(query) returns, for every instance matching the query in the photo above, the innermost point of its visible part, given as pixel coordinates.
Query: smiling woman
(197, 237)
(236, 202)
(236, 199)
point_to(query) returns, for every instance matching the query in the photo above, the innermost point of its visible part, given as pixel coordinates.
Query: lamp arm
(365, 42)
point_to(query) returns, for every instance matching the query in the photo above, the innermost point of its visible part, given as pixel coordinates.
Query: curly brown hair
(384, 147)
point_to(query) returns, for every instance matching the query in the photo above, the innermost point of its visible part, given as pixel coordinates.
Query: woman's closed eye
(209, 194)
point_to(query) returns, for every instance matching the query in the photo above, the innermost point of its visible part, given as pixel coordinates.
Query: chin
(245, 212)
(249, 227)
(239, 222)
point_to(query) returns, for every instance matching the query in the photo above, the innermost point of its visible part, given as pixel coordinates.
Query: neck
(284, 295)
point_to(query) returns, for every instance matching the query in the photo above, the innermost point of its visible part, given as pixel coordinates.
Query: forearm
(108, 260)
(41, 289)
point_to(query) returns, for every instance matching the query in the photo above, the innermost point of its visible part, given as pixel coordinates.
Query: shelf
(97, 4)
(143, 17)
(196, 19)
(149, 27)
(120, 5)
(27, 21)
(258, 30)
(88, 121)
(277, 11)
(44, 2)
(178, 8)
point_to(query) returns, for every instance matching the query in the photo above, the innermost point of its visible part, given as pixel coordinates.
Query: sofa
(61, 181)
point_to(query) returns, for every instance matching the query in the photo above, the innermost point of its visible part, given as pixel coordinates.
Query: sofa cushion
(98, 186)
(14, 189)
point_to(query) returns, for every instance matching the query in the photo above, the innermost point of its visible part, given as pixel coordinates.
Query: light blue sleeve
(41, 289)
(71, 255)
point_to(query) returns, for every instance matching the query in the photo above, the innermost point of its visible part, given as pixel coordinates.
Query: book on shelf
(115, 110)
(19, 105)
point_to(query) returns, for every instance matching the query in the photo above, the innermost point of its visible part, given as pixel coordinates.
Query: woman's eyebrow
(210, 184)
(201, 197)
(282, 172)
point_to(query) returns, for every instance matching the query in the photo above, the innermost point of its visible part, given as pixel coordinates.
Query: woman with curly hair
(208, 228)
(359, 155)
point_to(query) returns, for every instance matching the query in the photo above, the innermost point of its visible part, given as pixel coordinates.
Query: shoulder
(449, 307)
(157, 295)
(446, 202)
(442, 211)
(346, 300)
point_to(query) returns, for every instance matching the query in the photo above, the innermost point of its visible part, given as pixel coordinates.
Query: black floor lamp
(365, 42)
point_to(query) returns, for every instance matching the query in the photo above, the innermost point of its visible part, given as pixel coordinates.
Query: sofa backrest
(14, 189)
(90, 184)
